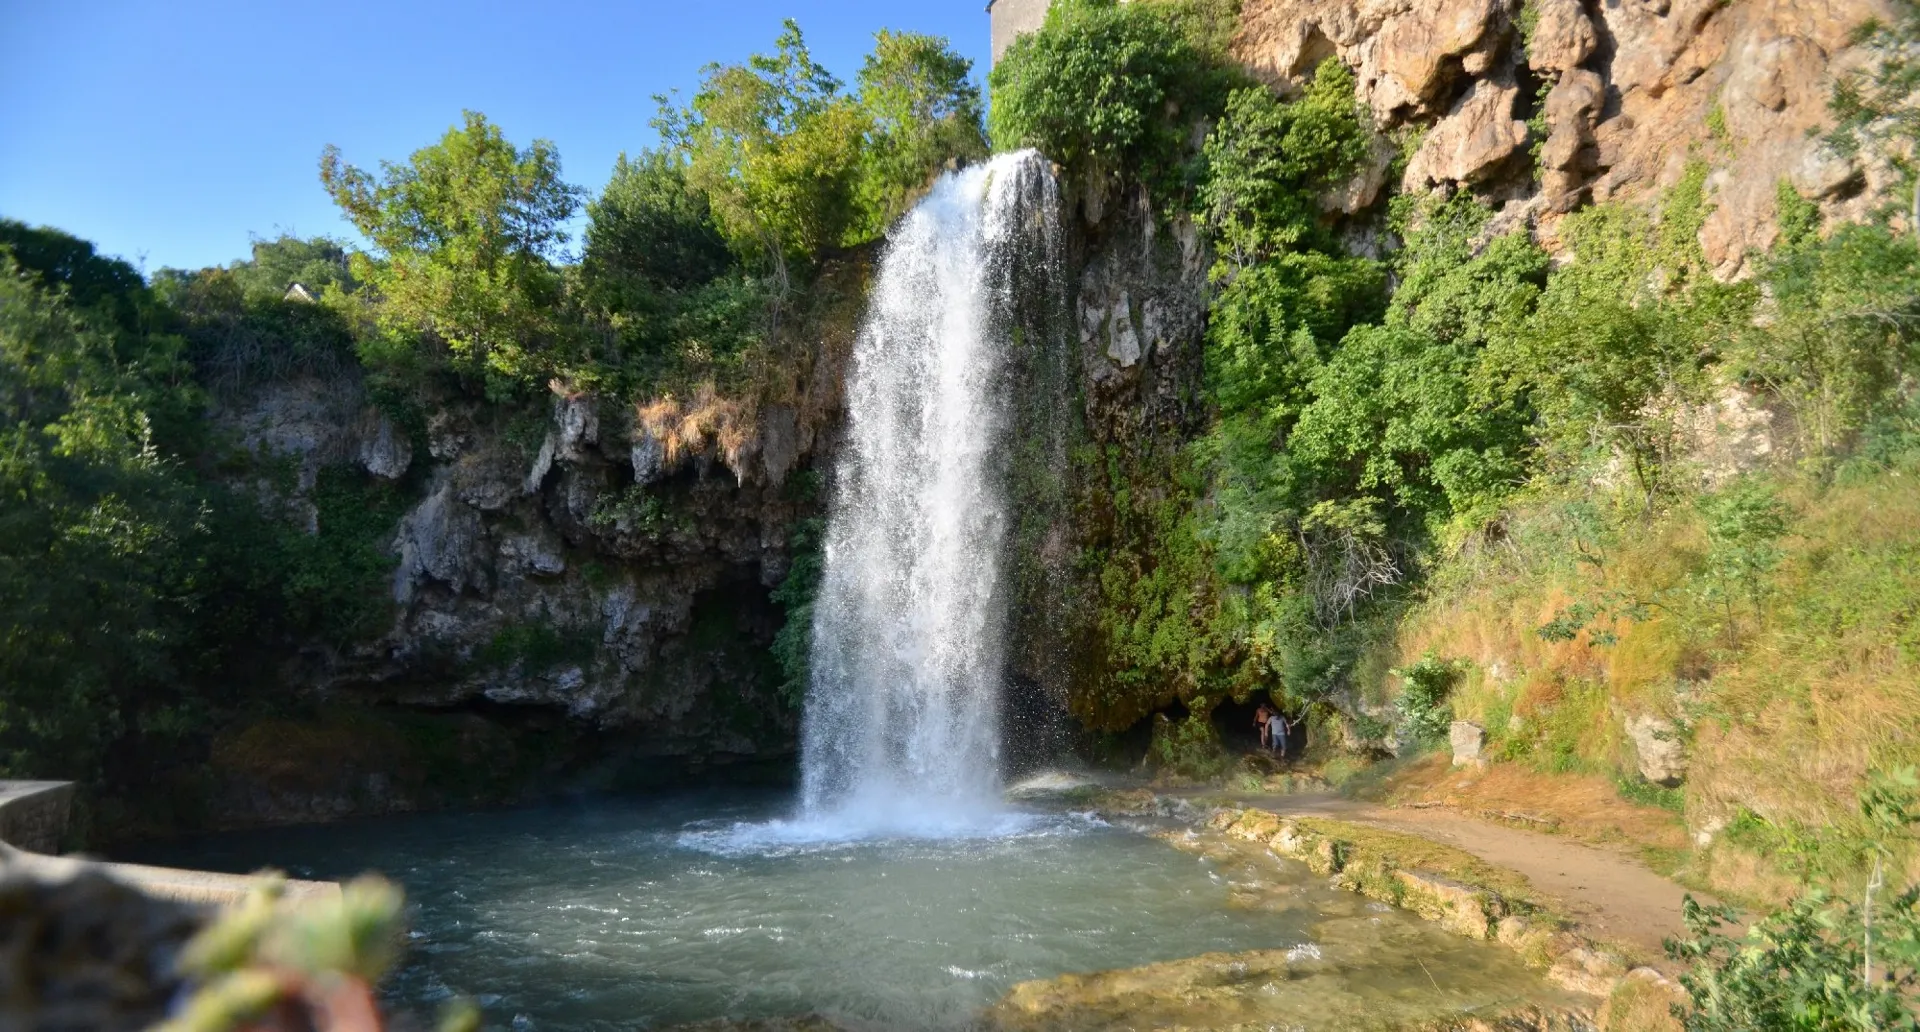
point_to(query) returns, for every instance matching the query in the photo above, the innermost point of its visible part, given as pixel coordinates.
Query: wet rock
(1658, 743)
(1468, 740)
(1460, 908)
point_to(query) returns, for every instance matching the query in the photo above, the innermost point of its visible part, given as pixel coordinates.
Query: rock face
(1658, 744)
(585, 570)
(1632, 91)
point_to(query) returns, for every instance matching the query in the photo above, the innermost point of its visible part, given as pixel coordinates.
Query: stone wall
(33, 814)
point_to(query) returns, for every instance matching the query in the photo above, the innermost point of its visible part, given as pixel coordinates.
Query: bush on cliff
(1111, 91)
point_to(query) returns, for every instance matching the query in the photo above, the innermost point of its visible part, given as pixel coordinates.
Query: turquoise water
(617, 914)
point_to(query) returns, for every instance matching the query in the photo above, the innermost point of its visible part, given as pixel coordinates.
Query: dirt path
(1609, 894)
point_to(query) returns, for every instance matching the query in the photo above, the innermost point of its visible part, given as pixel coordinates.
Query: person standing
(1263, 718)
(1278, 729)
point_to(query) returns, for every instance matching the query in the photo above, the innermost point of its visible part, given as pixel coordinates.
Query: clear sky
(170, 133)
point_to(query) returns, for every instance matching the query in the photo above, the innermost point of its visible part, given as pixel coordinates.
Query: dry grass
(1584, 807)
(1642, 1004)
(1790, 712)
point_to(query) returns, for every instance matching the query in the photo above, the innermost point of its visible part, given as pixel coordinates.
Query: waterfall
(902, 723)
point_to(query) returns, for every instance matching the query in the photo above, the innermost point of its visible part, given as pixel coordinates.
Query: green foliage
(242, 330)
(1872, 106)
(1744, 525)
(1824, 963)
(466, 233)
(776, 149)
(1270, 160)
(1157, 620)
(635, 511)
(1425, 687)
(337, 581)
(1641, 792)
(650, 232)
(101, 533)
(923, 111)
(793, 644)
(1189, 747)
(319, 959)
(1842, 331)
(535, 646)
(1621, 339)
(1109, 90)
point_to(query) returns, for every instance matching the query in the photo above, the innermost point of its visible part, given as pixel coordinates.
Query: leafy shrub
(1109, 90)
(1424, 711)
(1189, 747)
(793, 643)
(338, 581)
(467, 231)
(1824, 963)
(1744, 524)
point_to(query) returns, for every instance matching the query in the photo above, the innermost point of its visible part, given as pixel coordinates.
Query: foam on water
(782, 838)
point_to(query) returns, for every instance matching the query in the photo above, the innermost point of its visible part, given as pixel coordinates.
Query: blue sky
(170, 133)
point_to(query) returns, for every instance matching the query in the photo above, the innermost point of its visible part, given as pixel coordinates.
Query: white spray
(902, 726)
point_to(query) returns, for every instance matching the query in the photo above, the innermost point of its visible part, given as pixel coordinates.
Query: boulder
(1657, 742)
(1460, 908)
(442, 540)
(1469, 739)
(1563, 37)
(1472, 142)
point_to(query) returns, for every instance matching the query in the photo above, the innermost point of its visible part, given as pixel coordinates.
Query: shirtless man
(1264, 717)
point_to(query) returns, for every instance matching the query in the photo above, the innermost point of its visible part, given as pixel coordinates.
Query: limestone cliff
(1625, 93)
(578, 583)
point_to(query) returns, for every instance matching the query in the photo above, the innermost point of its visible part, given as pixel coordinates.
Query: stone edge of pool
(33, 818)
(1352, 858)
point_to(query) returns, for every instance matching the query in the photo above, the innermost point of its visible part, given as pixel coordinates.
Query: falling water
(902, 728)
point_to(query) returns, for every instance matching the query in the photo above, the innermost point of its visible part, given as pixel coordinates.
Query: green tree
(924, 111)
(775, 148)
(466, 232)
(1270, 161)
(650, 229)
(1109, 90)
(98, 532)
(316, 263)
(1396, 408)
